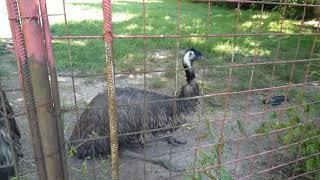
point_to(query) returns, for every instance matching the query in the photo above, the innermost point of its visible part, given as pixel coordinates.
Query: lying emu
(6, 155)
(94, 120)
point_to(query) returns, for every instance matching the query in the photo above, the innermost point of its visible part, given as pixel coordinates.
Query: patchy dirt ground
(209, 115)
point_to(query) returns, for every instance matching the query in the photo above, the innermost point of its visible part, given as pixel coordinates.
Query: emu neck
(189, 73)
(187, 64)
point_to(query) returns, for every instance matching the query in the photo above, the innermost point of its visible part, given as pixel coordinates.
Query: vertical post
(54, 86)
(25, 83)
(107, 26)
(37, 61)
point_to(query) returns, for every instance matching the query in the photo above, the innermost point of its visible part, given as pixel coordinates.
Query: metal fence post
(25, 83)
(37, 64)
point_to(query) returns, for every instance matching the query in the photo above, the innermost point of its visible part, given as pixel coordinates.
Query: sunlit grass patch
(162, 19)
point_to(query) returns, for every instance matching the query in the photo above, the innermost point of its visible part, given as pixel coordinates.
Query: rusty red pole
(37, 62)
(25, 83)
(107, 26)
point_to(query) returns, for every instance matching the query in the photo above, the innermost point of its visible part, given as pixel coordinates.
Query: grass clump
(157, 83)
(206, 158)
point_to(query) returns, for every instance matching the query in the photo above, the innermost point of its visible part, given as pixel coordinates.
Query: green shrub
(296, 12)
(307, 132)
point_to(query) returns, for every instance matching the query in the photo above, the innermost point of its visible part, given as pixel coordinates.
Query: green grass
(161, 19)
(157, 83)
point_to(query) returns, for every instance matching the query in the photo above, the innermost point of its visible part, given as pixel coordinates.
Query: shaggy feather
(15, 132)
(94, 121)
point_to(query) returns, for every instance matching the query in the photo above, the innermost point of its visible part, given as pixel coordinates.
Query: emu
(6, 154)
(166, 115)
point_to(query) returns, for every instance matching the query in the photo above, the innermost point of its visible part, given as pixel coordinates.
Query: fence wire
(236, 133)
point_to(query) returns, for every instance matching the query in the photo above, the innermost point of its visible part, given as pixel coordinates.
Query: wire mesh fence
(199, 90)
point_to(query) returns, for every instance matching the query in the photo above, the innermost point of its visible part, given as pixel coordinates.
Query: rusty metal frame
(25, 83)
(34, 78)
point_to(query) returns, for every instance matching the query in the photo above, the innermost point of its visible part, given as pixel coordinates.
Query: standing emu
(136, 116)
(6, 155)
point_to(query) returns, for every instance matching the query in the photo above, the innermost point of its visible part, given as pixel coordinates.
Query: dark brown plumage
(159, 114)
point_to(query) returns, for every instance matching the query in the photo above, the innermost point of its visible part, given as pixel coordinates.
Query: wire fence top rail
(185, 36)
(230, 65)
(272, 2)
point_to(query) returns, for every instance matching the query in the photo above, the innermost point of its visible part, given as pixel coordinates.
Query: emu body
(159, 111)
(94, 121)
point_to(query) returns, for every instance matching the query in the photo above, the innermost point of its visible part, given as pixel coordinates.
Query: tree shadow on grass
(161, 19)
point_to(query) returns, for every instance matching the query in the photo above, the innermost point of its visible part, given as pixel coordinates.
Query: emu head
(190, 56)
(6, 156)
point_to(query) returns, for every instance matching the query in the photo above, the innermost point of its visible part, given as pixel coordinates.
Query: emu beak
(201, 58)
